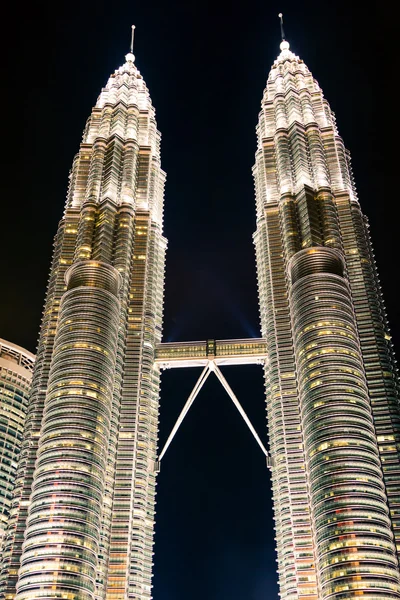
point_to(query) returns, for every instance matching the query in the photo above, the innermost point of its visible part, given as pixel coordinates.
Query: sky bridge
(247, 351)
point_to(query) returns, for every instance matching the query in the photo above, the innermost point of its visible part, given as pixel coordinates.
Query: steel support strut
(211, 366)
(199, 384)
(236, 402)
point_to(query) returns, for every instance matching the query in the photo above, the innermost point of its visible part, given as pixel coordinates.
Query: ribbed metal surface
(63, 529)
(63, 255)
(353, 536)
(377, 348)
(315, 260)
(93, 274)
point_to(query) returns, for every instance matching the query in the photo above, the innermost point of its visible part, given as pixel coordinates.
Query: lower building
(16, 366)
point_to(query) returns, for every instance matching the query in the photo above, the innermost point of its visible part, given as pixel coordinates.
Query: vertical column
(122, 260)
(63, 526)
(291, 238)
(296, 562)
(123, 514)
(329, 219)
(103, 241)
(352, 530)
(86, 228)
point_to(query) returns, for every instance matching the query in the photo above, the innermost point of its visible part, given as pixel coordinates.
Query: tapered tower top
(126, 84)
(122, 123)
(297, 128)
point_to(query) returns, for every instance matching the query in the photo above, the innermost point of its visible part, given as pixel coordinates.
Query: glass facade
(331, 381)
(16, 367)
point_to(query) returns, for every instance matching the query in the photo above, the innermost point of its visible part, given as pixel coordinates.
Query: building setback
(16, 366)
(82, 517)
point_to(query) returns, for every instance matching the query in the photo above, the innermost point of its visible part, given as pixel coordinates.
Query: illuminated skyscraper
(331, 380)
(81, 523)
(86, 479)
(16, 366)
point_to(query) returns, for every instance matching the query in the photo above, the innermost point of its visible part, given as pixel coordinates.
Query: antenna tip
(132, 37)
(280, 15)
(133, 26)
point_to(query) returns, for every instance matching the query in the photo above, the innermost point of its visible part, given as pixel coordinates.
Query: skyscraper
(331, 380)
(82, 518)
(16, 366)
(86, 484)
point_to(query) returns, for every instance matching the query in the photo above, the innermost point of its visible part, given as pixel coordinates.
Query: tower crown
(286, 55)
(119, 159)
(126, 85)
(298, 141)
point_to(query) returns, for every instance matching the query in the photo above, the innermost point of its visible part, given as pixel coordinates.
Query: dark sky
(206, 65)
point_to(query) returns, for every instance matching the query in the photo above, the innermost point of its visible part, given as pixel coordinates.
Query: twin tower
(82, 517)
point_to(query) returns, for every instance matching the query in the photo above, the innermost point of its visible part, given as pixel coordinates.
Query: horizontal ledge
(186, 362)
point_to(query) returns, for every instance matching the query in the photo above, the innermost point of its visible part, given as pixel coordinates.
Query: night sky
(206, 64)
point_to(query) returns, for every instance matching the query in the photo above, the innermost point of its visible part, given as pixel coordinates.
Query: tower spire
(282, 32)
(284, 44)
(132, 38)
(130, 57)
